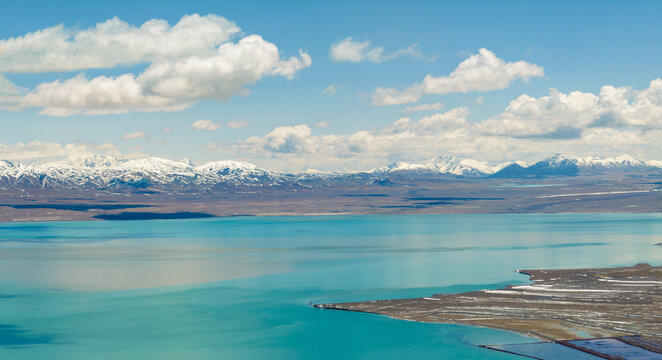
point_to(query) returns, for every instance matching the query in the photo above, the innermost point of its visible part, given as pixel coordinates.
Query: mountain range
(105, 172)
(557, 165)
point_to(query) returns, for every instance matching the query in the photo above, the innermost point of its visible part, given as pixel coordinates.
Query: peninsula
(557, 305)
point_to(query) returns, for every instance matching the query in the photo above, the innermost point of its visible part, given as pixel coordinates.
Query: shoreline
(173, 216)
(556, 305)
(406, 196)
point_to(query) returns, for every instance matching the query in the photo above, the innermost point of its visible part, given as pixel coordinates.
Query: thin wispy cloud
(36, 151)
(350, 50)
(423, 107)
(135, 135)
(330, 90)
(237, 124)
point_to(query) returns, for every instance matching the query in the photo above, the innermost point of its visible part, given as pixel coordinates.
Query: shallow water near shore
(241, 288)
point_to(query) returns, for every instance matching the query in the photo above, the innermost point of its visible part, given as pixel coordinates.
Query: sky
(330, 85)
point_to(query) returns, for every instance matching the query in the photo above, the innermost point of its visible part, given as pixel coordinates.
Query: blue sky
(575, 47)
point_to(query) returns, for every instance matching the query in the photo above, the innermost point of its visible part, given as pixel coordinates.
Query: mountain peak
(460, 167)
(227, 165)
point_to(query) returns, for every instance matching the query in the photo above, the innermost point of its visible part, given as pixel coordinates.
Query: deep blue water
(240, 288)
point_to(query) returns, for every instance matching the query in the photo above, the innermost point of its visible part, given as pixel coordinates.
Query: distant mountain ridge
(103, 172)
(106, 172)
(556, 165)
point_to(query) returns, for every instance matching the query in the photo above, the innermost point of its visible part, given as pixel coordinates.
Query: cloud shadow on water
(12, 336)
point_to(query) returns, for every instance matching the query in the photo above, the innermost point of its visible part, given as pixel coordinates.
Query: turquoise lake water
(240, 288)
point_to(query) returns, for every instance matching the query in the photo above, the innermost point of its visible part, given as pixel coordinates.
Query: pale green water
(239, 288)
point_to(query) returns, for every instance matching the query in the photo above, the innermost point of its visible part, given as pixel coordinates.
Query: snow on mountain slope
(556, 165)
(563, 165)
(440, 165)
(101, 171)
(463, 167)
(501, 166)
(400, 166)
(621, 162)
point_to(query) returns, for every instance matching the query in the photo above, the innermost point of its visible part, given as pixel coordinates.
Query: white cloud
(172, 82)
(350, 50)
(135, 135)
(565, 115)
(330, 90)
(42, 151)
(205, 125)
(7, 87)
(287, 139)
(100, 95)
(613, 122)
(9, 92)
(166, 130)
(322, 124)
(297, 146)
(480, 72)
(479, 100)
(423, 107)
(290, 67)
(237, 124)
(527, 116)
(114, 42)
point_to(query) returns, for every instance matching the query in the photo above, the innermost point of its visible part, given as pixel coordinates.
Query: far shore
(461, 196)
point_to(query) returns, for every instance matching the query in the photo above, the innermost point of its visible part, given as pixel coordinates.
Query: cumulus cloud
(287, 139)
(480, 72)
(609, 123)
(112, 43)
(100, 95)
(175, 80)
(298, 146)
(350, 50)
(423, 107)
(322, 124)
(290, 67)
(237, 124)
(135, 135)
(166, 130)
(330, 90)
(205, 125)
(565, 115)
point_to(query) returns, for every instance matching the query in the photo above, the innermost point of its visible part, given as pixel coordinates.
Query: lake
(241, 288)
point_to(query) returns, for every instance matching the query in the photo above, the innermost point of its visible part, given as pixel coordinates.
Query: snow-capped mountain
(104, 172)
(562, 165)
(440, 165)
(462, 167)
(399, 166)
(556, 165)
(623, 162)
